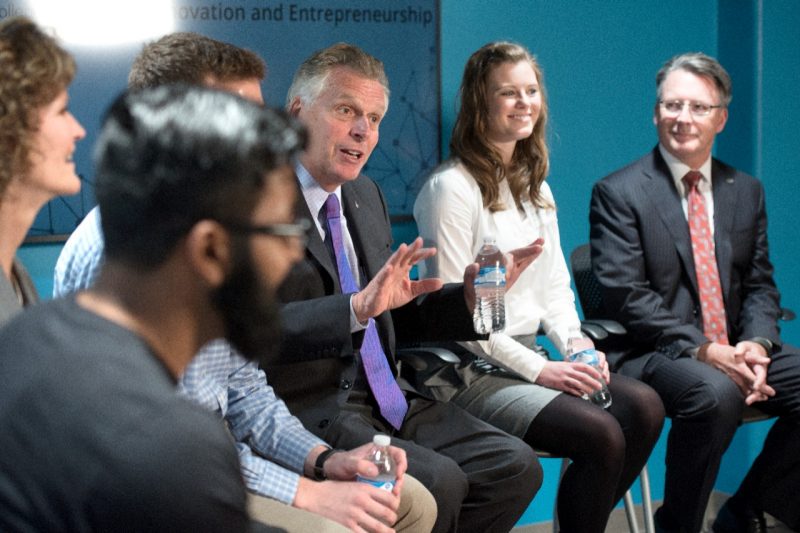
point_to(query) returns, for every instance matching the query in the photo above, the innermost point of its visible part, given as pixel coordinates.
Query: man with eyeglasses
(679, 246)
(294, 479)
(94, 436)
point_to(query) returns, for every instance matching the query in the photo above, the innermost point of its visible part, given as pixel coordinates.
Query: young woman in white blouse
(493, 184)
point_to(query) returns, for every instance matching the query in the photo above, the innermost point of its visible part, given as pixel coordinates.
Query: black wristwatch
(319, 471)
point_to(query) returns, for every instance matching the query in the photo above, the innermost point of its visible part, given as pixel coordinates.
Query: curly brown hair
(35, 70)
(530, 162)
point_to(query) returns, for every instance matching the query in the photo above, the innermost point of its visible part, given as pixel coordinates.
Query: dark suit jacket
(642, 256)
(318, 362)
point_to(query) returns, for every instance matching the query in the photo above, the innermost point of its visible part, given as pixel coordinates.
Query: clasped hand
(746, 364)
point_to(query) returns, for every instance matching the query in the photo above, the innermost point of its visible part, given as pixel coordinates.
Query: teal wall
(599, 58)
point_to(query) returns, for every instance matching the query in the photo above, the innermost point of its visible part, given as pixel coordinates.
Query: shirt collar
(314, 194)
(678, 169)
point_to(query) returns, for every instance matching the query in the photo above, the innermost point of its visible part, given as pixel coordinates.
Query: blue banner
(105, 36)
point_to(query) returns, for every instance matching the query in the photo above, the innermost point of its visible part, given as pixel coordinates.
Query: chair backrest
(586, 283)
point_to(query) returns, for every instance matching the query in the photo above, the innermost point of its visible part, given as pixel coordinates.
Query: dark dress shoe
(739, 521)
(661, 522)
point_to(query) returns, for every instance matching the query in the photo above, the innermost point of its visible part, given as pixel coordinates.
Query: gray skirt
(500, 398)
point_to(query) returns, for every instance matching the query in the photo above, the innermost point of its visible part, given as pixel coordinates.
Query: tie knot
(332, 207)
(692, 178)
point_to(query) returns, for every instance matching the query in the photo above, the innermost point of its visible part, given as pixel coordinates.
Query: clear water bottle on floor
(580, 349)
(489, 314)
(379, 456)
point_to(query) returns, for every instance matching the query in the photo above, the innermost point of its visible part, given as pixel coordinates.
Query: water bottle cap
(381, 440)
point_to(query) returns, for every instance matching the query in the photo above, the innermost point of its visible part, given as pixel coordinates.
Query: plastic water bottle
(490, 289)
(380, 457)
(581, 350)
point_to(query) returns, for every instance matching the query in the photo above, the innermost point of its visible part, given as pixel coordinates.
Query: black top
(94, 438)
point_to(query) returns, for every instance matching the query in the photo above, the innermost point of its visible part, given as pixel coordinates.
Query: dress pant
(482, 478)
(706, 407)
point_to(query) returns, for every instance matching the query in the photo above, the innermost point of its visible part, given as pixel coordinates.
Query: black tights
(608, 449)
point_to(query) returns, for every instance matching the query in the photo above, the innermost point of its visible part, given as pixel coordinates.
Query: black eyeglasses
(296, 230)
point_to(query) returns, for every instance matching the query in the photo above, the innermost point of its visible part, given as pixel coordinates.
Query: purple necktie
(381, 380)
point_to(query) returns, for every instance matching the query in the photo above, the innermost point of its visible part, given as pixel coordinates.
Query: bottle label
(385, 484)
(588, 356)
(491, 275)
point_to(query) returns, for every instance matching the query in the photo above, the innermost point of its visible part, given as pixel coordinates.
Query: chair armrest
(612, 327)
(427, 357)
(599, 329)
(594, 331)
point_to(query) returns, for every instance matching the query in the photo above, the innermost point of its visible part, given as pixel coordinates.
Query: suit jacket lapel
(665, 201)
(358, 225)
(315, 248)
(724, 192)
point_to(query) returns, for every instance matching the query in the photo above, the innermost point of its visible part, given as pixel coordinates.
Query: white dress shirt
(678, 169)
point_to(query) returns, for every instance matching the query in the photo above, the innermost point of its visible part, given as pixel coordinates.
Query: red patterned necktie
(705, 262)
(381, 380)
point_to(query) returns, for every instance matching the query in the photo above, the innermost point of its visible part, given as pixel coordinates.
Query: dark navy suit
(642, 256)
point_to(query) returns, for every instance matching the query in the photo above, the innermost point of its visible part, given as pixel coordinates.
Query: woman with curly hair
(37, 140)
(494, 184)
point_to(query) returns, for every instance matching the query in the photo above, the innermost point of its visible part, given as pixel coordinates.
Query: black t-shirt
(93, 436)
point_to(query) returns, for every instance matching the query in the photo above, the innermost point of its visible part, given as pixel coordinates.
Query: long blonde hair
(529, 163)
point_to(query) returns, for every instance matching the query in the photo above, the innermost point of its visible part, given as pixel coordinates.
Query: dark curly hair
(35, 69)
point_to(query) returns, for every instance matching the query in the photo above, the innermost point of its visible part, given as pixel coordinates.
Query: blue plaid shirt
(272, 444)
(79, 263)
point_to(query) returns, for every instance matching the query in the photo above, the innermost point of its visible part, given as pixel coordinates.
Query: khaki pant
(417, 513)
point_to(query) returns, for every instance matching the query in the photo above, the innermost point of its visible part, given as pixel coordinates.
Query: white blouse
(450, 215)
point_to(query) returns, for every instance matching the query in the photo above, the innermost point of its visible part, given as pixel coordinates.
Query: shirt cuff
(355, 325)
(766, 343)
(691, 352)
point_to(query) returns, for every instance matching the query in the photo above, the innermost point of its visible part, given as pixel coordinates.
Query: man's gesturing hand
(391, 287)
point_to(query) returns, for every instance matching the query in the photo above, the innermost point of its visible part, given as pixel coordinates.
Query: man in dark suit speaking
(679, 245)
(345, 303)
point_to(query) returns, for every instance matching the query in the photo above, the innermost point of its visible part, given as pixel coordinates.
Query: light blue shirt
(80, 260)
(271, 442)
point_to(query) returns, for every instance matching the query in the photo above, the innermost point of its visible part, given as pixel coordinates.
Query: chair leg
(647, 502)
(630, 513)
(630, 508)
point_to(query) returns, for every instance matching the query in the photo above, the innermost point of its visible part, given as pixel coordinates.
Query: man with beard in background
(192, 184)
